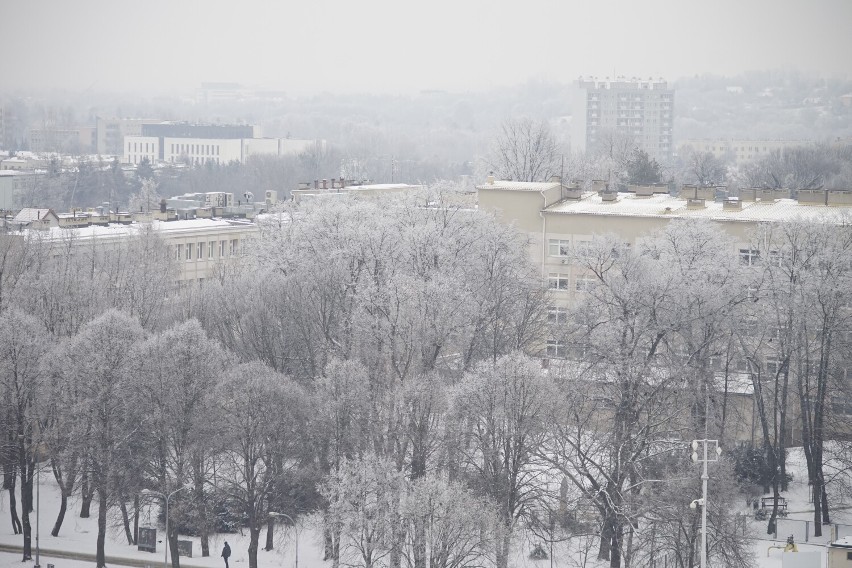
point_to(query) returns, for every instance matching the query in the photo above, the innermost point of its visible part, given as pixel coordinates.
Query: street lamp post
(703, 501)
(166, 539)
(38, 510)
(295, 526)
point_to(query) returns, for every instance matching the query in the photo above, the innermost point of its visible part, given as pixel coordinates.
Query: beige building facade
(558, 218)
(201, 248)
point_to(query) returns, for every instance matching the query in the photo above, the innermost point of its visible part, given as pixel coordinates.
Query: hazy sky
(306, 46)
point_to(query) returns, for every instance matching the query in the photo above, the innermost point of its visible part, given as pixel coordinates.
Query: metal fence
(803, 531)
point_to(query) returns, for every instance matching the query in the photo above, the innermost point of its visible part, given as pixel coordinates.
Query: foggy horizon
(384, 47)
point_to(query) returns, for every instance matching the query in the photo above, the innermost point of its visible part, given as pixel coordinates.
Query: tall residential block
(639, 110)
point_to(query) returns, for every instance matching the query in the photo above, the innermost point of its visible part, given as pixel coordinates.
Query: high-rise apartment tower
(639, 110)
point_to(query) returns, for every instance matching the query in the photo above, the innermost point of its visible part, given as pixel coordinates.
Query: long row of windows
(561, 281)
(142, 147)
(206, 250)
(751, 257)
(201, 149)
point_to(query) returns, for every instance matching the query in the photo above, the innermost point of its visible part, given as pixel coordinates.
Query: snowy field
(78, 535)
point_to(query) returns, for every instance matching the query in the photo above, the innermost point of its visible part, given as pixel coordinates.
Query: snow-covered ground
(78, 535)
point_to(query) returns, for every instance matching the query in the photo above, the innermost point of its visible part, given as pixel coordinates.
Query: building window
(222, 245)
(749, 257)
(557, 314)
(776, 258)
(189, 252)
(558, 247)
(751, 291)
(773, 364)
(580, 350)
(199, 253)
(178, 252)
(234, 247)
(556, 348)
(585, 283)
(557, 281)
(211, 249)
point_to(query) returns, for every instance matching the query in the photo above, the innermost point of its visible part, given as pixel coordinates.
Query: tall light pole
(703, 501)
(38, 510)
(166, 539)
(295, 526)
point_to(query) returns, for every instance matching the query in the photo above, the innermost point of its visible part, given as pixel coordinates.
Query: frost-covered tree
(23, 342)
(174, 394)
(525, 150)
(617, 402)
(263, 415)
(105, 430)
(457, 526)
(146, 199)
(500, 411)
(703, 169)
(364, 498)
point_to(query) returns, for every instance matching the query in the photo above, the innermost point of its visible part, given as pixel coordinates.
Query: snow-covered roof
(519, 185)
(164, 228)
(380, 186)
(663, 205)
(30, 214)
(845, 542)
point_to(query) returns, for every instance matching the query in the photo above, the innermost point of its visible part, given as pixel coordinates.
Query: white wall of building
(137, 148)
(202, 150)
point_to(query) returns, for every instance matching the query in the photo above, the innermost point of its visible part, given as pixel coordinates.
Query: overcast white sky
(401, 46)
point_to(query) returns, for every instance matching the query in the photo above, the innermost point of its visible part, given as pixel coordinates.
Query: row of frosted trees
(365, 361)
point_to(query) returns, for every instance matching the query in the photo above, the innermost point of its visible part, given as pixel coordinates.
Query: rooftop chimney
(325, 183)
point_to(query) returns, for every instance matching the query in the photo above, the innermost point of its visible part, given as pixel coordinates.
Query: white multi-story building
(201, 144)
(640, 110)
(740, 151)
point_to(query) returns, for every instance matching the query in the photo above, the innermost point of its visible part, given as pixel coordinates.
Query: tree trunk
(63, 506)
(26, 506)
(503, 541)
(135, 519)
(270, 527)
(606, 539)
(66, 487)
(125, 519)
(87, 492)
(420, 542)
(100, 554)
(615, 549)
(9, 479)
(331, 546)
(174, 551)
(254, 539)
(201, 504)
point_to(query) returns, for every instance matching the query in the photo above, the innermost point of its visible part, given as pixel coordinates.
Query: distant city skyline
(388, 46)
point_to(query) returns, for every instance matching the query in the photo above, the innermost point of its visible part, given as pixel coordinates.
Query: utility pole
(704, 478)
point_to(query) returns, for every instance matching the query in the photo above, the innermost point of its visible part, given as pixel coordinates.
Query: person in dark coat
(226, 552)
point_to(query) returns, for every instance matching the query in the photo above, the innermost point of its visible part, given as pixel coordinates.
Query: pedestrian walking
(226, 552)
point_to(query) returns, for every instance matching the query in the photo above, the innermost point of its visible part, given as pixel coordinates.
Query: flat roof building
(642, 111)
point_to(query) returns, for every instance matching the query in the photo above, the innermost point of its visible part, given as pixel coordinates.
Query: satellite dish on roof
(248, 195)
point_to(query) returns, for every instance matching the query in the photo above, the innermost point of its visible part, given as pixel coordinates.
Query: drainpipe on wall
(543, 235)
